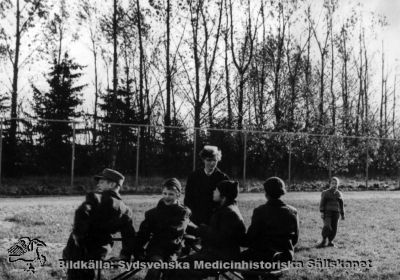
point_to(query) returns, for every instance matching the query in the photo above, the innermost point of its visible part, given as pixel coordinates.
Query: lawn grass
(61, 185)
(370, 232)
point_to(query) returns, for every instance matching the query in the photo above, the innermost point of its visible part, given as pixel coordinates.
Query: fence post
(398, 174)
(1, 146)
(330, 159)
(244, 161)
(290, 163)
(73, 155)
(194, 148)
(367, 163)
(137, 157)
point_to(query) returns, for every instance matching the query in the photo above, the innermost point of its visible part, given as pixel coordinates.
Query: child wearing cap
(102, 214)
(274, 228)
(331, 205)
(201, 185)
(221, 239)
(163, 228)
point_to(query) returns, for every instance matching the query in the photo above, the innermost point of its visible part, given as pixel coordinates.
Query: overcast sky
(391, 9)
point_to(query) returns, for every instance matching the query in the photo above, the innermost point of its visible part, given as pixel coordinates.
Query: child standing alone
(331, 206)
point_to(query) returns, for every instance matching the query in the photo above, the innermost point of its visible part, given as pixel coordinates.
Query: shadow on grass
(303, 249)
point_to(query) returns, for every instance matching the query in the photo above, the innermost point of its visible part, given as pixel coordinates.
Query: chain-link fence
(69, 153)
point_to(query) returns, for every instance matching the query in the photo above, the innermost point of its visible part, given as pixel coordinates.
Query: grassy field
(61, 185)
(370, 232)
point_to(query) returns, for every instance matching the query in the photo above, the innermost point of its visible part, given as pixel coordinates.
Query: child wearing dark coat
(274, 228)
(163, 228)
(221, 239)
(102, 214)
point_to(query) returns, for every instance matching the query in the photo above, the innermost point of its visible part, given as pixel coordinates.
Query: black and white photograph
(199, 139)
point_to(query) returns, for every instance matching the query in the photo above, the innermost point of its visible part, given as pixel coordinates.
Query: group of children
(209, 212)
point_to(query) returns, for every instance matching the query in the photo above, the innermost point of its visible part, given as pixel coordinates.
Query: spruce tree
(60, 102)
(118, 108)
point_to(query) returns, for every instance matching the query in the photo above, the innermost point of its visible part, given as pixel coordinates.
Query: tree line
(277, 66)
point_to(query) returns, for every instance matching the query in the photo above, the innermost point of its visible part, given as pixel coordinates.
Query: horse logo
(29, 251)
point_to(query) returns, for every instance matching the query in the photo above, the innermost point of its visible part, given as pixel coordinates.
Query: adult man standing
(331, 206)
(201, 185)
(102, 214)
